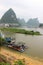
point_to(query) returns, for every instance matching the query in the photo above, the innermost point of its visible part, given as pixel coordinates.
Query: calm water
(34, 43)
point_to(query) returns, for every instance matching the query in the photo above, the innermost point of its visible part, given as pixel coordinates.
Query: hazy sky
(23, 8)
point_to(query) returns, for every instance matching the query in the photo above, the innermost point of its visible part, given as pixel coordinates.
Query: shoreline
(15, 56)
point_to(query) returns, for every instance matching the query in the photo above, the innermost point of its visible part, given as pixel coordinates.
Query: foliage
(2, 41)
(37, 33)
(2, 63)
(22, 31)
(19, 62)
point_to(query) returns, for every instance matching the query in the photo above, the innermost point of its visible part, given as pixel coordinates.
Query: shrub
(19, 62)
(2, 63)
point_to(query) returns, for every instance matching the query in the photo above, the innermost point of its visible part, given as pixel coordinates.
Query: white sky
(23, 8)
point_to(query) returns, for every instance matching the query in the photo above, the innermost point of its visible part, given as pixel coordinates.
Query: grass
(19, 58)
(22, 31)
(19, 62)
(2, 63)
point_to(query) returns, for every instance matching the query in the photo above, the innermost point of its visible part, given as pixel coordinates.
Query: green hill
(22, 22)
(9, 17)
(33, 23)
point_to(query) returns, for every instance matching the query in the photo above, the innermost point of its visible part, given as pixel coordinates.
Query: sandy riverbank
(12, 56)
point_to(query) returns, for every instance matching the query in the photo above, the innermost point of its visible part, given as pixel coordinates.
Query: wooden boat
(17, 47)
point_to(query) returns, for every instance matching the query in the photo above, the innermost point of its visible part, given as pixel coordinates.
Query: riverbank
(22, 31)
(13, 56)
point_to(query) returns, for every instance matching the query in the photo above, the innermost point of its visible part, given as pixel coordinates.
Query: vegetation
(2, 63)
(2, 41)
(22, 31)
(19, 62)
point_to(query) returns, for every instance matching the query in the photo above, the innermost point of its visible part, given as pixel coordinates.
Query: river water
(34, 43)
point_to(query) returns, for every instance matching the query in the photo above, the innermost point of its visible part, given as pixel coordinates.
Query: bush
(37, 33)
(2, 41)
(2, 63)
(19, 62)
(22, 31)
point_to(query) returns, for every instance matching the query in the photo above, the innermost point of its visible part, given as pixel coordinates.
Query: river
(34, 43)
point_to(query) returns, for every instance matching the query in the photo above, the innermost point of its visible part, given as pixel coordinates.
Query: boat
(19, 46)
(16, 47)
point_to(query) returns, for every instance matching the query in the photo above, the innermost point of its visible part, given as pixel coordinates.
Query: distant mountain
(33, 23)
(22, 22)
(41, 25)
(9, 17)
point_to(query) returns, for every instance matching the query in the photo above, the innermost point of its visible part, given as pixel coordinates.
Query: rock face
(9, 17)
(33, 23)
